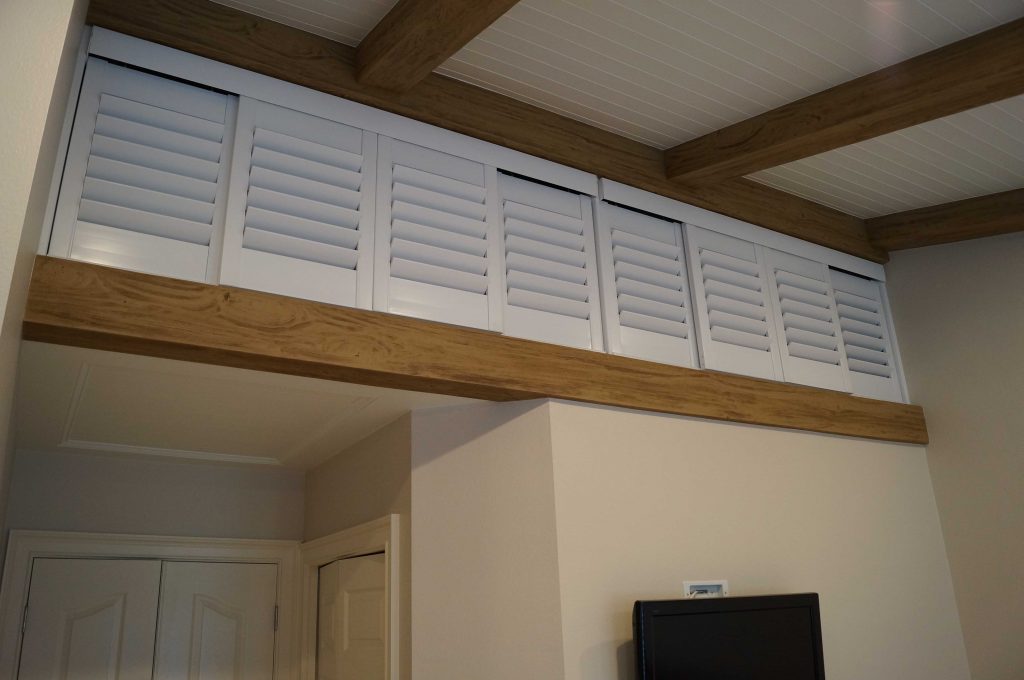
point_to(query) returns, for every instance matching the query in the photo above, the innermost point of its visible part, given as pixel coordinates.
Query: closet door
(806, 322)
(145, 179)
(435, 242)
(551, 288)
(644, 287)
(866, 337)
(216, 621)
(730, 290)
(300, 212)
(90, 619)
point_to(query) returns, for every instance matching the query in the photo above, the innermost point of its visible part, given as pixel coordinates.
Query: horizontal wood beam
(417, 36)
(246, 41)
(991, 215)
(87, 305)
(978, 70)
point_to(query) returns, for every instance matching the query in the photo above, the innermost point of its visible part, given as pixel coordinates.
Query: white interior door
(352, 630)
(216, 621)
(90, 620)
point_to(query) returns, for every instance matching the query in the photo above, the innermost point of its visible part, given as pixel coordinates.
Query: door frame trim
(26, 546)
(379, 535)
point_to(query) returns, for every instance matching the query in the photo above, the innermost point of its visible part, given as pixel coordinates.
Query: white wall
(38, 44)
(370, 479)
(149, 495)
(959, 315)
(485, 567)
(644, 502)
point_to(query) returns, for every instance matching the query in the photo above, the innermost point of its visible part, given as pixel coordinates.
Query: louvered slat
(645, 287)
(143, 186)
(433, 239)
(806, 322)
(550, 277)
(866, 337)
(301, 206)
(735, 329)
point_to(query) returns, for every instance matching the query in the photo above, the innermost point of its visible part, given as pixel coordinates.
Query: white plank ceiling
(666, 71)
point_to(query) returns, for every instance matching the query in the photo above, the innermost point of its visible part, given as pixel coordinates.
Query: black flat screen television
(770, 637)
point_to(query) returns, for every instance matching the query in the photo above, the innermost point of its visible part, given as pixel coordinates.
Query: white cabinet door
(216, 621)
(352, 630)
(90, 620)
(300, 206)
(144, 185)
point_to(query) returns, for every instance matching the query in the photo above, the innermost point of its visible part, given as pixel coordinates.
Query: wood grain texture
(991, 215)
(978, 70)
(246, 41)
(417, 36)
(88, 305)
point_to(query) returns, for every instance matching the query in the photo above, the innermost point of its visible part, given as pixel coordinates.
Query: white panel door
(300, 211)
(352, 620)
(551, 287)
(806, 322)
(144, 185)
(90, 620)
(730, 295)
(216, 621)
(867, 339)
(645, 289)
(435, 237)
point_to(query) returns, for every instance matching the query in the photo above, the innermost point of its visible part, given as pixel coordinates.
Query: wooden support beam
(86, 305)
(978, 70)
(991, 215)
(227, 35)
(417, 36)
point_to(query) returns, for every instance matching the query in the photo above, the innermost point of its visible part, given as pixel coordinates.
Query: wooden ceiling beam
(87, 305)
(417, 36)
(991, 215)
(979, 70)
(246, 41)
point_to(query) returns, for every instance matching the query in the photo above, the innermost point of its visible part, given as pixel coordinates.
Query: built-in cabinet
(191, 182)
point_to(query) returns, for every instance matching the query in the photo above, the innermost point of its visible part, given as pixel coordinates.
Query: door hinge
(276, 612)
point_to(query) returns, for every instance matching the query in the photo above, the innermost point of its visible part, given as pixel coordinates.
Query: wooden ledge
(86, 305)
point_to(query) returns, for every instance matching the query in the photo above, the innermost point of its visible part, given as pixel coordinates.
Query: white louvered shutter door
(550, 265)
(730, 293)
(434, 242)
(866, 337)
(645, 289)
(300, 211)
(806, 322)
(145, 180)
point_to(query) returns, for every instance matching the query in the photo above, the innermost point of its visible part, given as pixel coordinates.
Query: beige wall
(485, 574)
(368, 480)
(38, 44)
(644, 502)
(148, 495)
(959, 316)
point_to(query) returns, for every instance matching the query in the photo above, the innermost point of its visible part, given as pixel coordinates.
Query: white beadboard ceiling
(666, 71)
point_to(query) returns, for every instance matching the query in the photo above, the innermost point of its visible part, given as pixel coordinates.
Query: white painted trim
(26, 546)
(196, 69)
(65, 139)
(894, 346)
(672, 209)
(186, 454)
(375, 536)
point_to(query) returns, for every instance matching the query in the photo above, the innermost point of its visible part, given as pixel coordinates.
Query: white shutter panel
(550, 265)
(730, 294)
(434, 243)
(866, 337)
(144, 184)
(645, 289)
(300, 215)
(806, 322)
